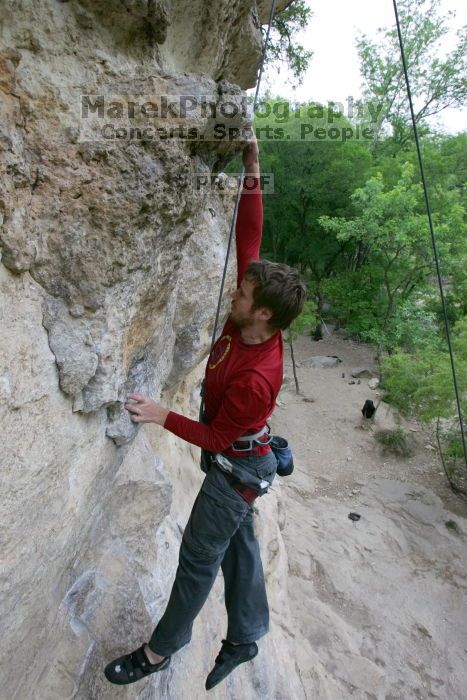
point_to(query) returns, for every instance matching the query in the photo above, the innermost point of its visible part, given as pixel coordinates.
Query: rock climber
(243, 377)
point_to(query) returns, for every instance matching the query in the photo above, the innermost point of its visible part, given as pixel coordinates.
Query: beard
(240, 321)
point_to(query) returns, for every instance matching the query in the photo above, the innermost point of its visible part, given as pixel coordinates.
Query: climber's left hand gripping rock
(145, 410)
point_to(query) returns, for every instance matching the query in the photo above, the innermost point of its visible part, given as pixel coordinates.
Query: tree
(446, 173)
(283, 47)
(396, 257)
(436, 82)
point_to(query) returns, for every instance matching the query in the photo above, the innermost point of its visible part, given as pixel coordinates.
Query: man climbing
(243, 378)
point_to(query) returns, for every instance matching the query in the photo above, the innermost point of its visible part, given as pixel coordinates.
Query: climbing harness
(432, 232)
(279, 446)
(250, 439)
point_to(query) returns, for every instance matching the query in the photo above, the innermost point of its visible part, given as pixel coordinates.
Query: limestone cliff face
(110, 265)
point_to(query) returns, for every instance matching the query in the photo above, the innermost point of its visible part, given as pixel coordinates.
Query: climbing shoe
(230, 656)
(132, 667)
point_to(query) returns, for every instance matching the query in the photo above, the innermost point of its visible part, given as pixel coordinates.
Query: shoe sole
(219, 680)
(110, 671)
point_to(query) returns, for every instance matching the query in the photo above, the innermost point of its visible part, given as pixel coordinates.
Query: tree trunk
(297, 388)
(318, 333)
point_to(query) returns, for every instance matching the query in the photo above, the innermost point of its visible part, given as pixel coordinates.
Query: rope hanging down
(432, 231)
(240, 182)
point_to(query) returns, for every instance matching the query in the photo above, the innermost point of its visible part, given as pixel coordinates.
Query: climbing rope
(432, 231)
(240, 182)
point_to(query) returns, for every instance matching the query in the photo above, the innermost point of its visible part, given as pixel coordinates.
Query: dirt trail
(378, 606)
(330, 435)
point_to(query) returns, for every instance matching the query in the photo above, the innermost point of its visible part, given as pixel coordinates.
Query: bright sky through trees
(334, 71)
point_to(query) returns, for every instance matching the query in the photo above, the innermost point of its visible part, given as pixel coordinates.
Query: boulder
(321, 361)
(361, 372)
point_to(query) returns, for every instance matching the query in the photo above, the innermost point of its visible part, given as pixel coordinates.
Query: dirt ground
(326, 428)
(378, 605)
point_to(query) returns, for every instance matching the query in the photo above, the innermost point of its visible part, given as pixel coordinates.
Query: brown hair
(278, 288)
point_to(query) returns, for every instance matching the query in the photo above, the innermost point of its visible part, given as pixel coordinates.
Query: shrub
(396, 442)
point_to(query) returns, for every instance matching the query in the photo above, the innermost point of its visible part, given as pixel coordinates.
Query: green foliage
(421, 382)
(395, 441)
(414, 328)
(436, 83)
(311, 179)
(446, 171)
(453, 455)
(360, 310)
(306, 319)
(454, 449)
(355, 301)
(283, 47)
(445, 163)
(395, 265)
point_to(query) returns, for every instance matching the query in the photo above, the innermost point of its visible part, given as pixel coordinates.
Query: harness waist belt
(247, 438)
(249, 441)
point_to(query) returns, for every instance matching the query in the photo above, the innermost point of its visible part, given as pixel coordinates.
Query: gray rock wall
(109, 270)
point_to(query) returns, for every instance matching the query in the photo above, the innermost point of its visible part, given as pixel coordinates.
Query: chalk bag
(283, 454)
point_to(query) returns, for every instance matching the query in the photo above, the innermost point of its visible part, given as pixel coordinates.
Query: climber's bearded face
(242, 309)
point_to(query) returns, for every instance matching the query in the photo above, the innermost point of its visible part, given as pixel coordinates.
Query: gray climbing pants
(219, 533)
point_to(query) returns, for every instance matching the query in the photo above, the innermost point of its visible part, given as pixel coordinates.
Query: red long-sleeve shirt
(242, 380)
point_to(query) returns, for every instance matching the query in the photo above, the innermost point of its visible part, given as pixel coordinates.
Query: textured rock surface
(379, 605)
(110, 266)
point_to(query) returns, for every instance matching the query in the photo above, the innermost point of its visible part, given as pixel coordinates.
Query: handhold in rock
(76, 310)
